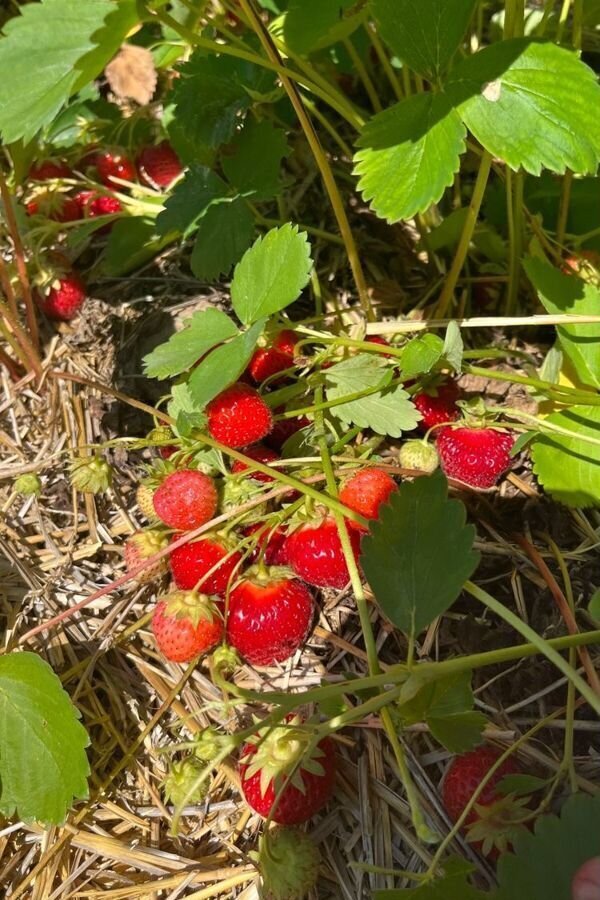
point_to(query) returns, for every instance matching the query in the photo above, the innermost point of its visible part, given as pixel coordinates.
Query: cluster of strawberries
(156, 166)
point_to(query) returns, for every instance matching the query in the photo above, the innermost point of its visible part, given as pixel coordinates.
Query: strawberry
(143, 497)
(54, 206)
(493, 816)
(271, 541)
(193, 561)
(365, 491)
(238, 416)
(437, 405)
(111, 164)
(63, 298)
(284, 429)
(268, 361)
(275, 764)
(418, 455)
(288, 862)
(186, 624)
(186, 499)
(261, 454)
(49, 169)
(141, 546)
(314, 552)
(579, 263)
(183, 783)
(269, 616)
(476, 456)
(158, 166)
(92, 204)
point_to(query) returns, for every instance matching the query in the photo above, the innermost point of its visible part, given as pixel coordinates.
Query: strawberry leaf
(310, 25)
(396, 557)
(223, 366)
(569, 467)
(131, 243)
(190, 201)
(253, 161)
(271, 274)
(544, 862)
(43, 764)
(562, 294)
(453, 885)
(408, 155)
(421, 354)
(224, 232)
(446, 705)
(532, 105)
(70, 43)
(388, 410)
(426, 34)
(202, 331)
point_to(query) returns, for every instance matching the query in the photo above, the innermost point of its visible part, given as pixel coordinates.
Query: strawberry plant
(301, 337)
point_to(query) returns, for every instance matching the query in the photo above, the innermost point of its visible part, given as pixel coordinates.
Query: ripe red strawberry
(269, 616)
(191, 562)
(284, 429)
(365, 491)
(238, 416)
(437, 405)
(476, 456)
(159, 166)
(493, 815)
(49, 169)
(314, 552)
(111, 164)
(271, 541)
(55, 206)
(186, 499)
(186, 624)
(279, 355)
(64, 297)
(261, 454)
(266, 765)
(141, 546)
(92, 204)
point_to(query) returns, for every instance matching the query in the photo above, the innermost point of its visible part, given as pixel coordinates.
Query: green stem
(568, 393)
(310, 229)
(324, 121)
(543, 646)
(447, 294)
(514, 197)
(384, 60)
(363, 75)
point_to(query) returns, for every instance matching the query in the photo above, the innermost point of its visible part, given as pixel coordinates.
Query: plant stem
(562, 393)
(447, 294)
(363, 75)
(322, 118)
(384, 60)
(320, 157)
(514, 201)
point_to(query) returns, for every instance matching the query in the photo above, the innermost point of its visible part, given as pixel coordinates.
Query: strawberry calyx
(282, 752)
(224, 661)
(91, 474)
(210, 743)
(496, 824)
(288, 862)
(184, 783)
(190, 605)
(263, 576)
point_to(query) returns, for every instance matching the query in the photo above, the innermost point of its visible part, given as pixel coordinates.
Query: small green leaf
(223, 234)
(453, 885)
(453, 346)
(271, 274)
(202, 331)
(594, 605)
(388, 410)
(421, 354)
(190, 201)
(131, 243)
(424, 34)
(447, 706)
(253, 161)
(568, 468)
(396, 558)
(223, 366)
(310, 25)
(43, 764)
(532, 105)
(182, 408)
(409, 155)
(565, 294)
(521, 785)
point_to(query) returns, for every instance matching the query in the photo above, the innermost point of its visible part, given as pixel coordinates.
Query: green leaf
(453, 885)
(533, 105)
(253, 161)
(568, 468)
(132, 242)
(223, 234)
(271, 274)
(202, 331)
(385, 411)
(521, 785)
(408, 155)
(594, 605)
(223, 366)
(424, 34)
(447, 706)
(421, 354)
(418, 524)
(43, 764)
(565, 294)
(453, 346)
(310, 25)
(70, 47)
(190, 201)
(544, 862)
(183, 409)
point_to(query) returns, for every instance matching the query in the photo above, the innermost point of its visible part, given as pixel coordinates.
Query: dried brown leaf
(131, 74)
